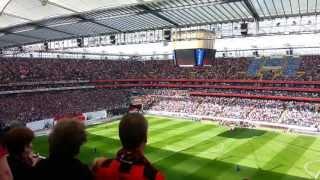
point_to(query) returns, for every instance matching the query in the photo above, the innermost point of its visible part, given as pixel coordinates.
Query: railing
(161, 81)
(85, 55)
(283, 51)
(262, 85)
(252, 88)
(180, 84)
(209, 81)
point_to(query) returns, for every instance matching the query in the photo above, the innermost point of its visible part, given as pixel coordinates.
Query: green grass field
(189, 150)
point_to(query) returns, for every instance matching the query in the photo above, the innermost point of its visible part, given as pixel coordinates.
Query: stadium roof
(31, 21)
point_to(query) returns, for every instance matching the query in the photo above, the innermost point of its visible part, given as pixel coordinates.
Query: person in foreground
(5, 172)
(21, 159)
(65, 141)
(130, 162)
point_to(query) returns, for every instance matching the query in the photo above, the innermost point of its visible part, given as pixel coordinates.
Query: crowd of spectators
(39, 106)
(289, 113)
(310, 68)
(302, 114)
(34, 70)
(18, 161)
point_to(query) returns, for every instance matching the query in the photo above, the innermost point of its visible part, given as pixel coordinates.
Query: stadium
(230, 89)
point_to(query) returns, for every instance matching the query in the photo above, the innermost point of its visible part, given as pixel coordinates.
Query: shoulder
(160, 176)
(102, 163)
(82, 169)
(80, 164)
(42, 163)
(42, 168)
(150, 172)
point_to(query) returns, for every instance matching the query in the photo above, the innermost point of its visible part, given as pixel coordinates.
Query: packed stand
(289, 113)
(34, 107)
(35, 70)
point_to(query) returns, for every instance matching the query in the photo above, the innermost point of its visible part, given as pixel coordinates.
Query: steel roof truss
(260, 7)
(268, 10)
(274, 6)
(282, 6)
(237, 11)
(231, 14)
(210, 15)
(214, 12)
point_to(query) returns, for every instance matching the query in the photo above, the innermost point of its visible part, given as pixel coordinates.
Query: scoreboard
(194, 47)
(194, 57)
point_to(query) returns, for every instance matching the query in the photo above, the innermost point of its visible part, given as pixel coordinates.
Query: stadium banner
(72, 116)
(95, 116)
(40, 125)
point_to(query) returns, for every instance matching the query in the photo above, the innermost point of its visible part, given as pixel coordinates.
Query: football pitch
(192, 150)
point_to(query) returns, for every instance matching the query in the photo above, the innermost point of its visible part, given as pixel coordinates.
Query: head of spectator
(65, 142)
(18, 142)
(66, 138)
(133, 129)
(4, 128)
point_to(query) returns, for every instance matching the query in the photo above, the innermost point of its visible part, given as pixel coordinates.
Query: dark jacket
(21, 169)
(62, 169)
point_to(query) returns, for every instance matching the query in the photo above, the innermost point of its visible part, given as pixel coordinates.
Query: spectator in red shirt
(130, 162)
(5, 172)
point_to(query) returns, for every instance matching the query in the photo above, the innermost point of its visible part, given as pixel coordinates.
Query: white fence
(40, 125)
(97, 117)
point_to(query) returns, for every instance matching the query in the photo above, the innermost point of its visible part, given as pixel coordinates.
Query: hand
(35, 158)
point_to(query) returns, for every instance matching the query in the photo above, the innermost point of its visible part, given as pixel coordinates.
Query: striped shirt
(128, 165)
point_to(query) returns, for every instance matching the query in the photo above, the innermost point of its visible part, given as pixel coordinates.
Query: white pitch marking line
(316, 175)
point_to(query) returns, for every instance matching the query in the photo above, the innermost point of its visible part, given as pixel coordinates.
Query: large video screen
(194, 57)
(209, 57)
(185, 57)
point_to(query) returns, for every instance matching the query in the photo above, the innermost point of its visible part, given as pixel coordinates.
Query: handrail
(309, 90)
(212, 81)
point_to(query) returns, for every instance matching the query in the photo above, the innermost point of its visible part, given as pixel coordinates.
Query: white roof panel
(3, 3)
(34, 10)
(6, 21)
(89, 5)
(20, 11)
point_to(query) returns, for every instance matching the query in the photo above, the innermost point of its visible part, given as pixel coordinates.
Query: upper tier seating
(22, 70)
